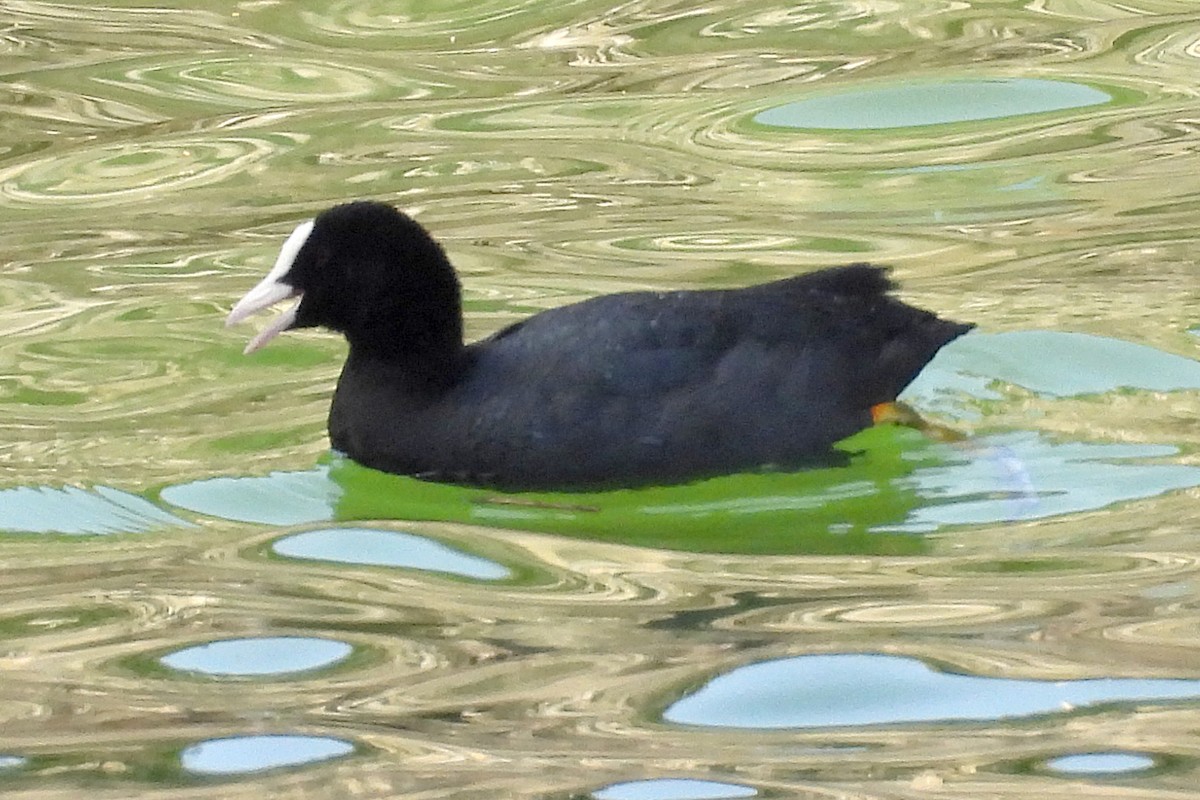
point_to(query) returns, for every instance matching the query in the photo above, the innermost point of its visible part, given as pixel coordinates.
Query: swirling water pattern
(154, 483)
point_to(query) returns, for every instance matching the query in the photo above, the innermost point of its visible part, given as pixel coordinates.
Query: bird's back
(647, 387)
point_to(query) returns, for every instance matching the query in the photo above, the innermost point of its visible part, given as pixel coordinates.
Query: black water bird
(620, 390)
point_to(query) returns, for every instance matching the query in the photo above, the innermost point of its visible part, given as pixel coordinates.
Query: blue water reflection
(387, 549)
(259, 655)
(281, 498)
(865, 689)
(237, 755)
(1023, 476)
(1050, 363)
(1113, 763)
(75, 511)
(673, 789)
(932, 103)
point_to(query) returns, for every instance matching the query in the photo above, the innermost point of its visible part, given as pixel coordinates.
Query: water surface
(1036, 170)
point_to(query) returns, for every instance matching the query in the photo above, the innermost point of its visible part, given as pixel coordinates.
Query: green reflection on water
(815, 511)
(49, 621)
(12, 392)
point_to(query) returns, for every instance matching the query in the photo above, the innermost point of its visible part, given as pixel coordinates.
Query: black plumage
(620, 390)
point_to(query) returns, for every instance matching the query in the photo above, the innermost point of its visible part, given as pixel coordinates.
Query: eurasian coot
(620, 390)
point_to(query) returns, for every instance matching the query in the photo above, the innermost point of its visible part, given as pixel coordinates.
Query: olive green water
(1031, 167)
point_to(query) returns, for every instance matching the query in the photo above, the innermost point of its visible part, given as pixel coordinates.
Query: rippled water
(198, 599)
